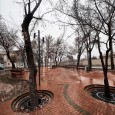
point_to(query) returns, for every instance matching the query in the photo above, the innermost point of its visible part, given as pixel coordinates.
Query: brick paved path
(69, 95)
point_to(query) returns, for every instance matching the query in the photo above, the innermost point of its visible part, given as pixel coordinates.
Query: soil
(11, 87)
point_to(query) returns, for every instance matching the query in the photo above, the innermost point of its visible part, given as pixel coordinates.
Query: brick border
(72, 103)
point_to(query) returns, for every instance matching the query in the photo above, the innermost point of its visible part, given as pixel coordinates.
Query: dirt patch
(5, 87)
(11, 87)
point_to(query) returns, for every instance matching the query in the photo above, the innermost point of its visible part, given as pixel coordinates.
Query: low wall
(95, 62)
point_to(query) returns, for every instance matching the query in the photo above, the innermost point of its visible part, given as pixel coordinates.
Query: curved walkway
(72, 103)
(69, 95)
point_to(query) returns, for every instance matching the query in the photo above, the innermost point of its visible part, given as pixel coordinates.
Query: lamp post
(39, 57)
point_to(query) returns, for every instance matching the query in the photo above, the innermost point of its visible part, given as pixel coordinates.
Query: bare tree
(49, 41)
(58, 51)
(101, 24)
(108, 22)
(54, 50)
(80, 47)
(7, 40)
(22, 55)
(89, 35)
(65, 8)
(28, 16)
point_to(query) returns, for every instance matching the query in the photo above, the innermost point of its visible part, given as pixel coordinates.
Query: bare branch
(46, 13)
(99, 11)
(29, 7)
(35, 8)
(33, 27)
(37, 18)
(25, 7)
(110, 4)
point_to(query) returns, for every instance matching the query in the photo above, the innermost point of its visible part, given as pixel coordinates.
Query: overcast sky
(13, 14)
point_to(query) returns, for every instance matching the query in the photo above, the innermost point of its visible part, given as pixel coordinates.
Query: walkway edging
(72, 103)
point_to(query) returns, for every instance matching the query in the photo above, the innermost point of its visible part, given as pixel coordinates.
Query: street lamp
(39, 57)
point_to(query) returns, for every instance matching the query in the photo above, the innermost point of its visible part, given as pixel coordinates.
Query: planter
(18, 72)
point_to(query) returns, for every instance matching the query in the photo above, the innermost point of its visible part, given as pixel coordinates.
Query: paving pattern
(69, 95)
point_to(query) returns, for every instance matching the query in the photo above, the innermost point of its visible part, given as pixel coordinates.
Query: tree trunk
(45, 61)
(30, 60)
(106, 83)
(56, 62)
(24, 57)
(89, 60)
(111, 45)
(78, 57)
(111, 57)
(12, 62)
(78, 60)
(105, 69)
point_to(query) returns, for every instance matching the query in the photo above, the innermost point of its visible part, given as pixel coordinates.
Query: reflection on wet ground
(69, 95)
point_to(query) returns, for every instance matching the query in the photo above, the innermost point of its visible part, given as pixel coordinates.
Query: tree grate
(22, 103)
(97, 91)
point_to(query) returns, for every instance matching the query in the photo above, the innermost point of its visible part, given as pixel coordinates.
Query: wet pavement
(69, 95)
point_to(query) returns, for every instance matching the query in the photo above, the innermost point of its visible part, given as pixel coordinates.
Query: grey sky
(13, 14)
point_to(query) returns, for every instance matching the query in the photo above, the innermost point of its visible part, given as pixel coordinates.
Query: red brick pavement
(69, 95)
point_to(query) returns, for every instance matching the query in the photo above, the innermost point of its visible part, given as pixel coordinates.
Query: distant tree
(80, 47)
(58, 51)
(70, 58)
(22, 55)
(88, 34)
(66, 10)
(54, 50)
(49, 41)
(20, 52)
(7, 40)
